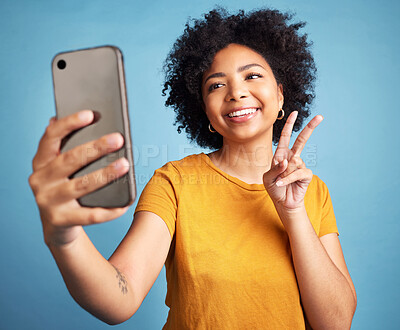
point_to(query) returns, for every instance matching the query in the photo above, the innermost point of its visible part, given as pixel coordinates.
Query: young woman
(248, 236)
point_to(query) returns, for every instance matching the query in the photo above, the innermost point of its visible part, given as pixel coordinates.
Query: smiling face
(241, 96)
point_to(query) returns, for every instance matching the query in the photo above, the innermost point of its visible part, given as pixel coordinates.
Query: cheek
(212, 105)
(208, 110)
(269, 97)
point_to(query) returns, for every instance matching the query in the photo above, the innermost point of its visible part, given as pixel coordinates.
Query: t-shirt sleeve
(160, 195)
(328, 219)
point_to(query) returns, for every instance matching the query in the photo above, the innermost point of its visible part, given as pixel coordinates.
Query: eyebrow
(240, 69)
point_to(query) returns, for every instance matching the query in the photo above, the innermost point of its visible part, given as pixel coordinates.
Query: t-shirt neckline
(245, 185)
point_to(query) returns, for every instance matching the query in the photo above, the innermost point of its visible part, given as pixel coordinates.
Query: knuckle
(99, 178)
(112, 173)
(94, 149)
(41, 200)
(48, 132)
(308, 173)
(301, 139)
(97, 146)
(70, 157)
(101, 145)
(295, 161)
(298, 161)
(311, 125)
(292, 165)
(33, 182)
(36, 183)
(93, 218)
(81, 184)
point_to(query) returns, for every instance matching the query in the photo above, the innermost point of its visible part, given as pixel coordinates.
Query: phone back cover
(94, 79)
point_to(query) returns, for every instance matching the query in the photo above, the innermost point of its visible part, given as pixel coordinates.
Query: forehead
(234, 55)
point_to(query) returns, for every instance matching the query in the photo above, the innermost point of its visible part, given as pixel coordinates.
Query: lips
(240, 115)
(242, 112)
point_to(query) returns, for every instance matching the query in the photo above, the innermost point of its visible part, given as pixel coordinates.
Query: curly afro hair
(268, 33)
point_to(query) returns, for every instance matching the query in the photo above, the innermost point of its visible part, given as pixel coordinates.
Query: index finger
(286, 133)
(49, 145)
(305, 134)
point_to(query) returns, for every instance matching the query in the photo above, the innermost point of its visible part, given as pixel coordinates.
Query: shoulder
(195, 160)
(317, 186)
(189, 163)
(178, 169)
(317, 191)
(319, 207)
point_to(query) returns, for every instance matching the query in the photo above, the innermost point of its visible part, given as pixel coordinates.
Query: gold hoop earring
(282, 115)
(209, 128)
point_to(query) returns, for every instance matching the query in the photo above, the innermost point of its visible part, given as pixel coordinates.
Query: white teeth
(241, 112)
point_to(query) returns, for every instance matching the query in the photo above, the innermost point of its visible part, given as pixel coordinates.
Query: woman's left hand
(288, 178)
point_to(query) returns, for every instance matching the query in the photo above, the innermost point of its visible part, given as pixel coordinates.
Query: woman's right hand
(56, 195)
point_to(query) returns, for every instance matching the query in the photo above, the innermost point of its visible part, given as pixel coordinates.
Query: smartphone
(94, 79)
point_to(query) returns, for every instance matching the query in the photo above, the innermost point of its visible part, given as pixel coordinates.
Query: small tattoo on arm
(122, 283)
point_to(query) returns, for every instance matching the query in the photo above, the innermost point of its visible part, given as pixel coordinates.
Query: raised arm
(327, 291)
(99, 286)
(114, 290)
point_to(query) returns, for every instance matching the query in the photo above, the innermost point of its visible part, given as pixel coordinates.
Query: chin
(249, 136)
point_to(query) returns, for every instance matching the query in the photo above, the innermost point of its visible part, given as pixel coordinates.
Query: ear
(280, 96)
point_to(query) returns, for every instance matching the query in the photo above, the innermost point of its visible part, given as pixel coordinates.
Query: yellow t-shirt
(229, 265)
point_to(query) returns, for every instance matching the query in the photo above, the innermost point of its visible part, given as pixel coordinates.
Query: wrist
(292, 217)
(290, 212)
(62, 239)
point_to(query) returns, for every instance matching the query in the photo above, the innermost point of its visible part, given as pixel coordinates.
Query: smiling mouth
(242, 113)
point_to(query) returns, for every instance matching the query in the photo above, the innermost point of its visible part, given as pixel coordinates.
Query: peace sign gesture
(288, 178)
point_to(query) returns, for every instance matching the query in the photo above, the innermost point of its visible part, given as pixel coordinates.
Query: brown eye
(214, 86)
(253, 76)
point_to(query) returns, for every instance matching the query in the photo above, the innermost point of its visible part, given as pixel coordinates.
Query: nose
(236, 91)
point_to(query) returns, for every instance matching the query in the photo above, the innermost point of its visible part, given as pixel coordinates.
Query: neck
(246, 161)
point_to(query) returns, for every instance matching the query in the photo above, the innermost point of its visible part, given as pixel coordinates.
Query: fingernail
(279, 183)
(121, 164)
(114, 140)
(86, 115)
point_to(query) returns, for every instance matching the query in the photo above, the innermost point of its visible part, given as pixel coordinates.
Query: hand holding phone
(56, 194)
(94, 79)
(83, 168)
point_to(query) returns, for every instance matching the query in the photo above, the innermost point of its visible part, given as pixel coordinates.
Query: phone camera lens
(61, 64)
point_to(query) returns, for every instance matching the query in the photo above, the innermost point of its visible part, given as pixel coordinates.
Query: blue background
(355, 149)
